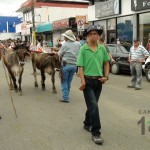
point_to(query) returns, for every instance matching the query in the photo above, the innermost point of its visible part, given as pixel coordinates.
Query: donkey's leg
(11, 87)
(53, 82)
(20, 80)
(34, 72)
(14, 80)
(33, 55)
(35, 78)
(43, 80)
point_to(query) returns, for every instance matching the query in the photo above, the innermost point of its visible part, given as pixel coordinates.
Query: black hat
(94, 28)
(136, 39)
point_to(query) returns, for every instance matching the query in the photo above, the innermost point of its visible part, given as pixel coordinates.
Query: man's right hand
(82, 87)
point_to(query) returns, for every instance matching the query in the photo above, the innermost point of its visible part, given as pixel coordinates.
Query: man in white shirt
(137, 55)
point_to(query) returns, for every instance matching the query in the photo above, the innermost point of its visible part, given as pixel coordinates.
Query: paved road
(43, 123)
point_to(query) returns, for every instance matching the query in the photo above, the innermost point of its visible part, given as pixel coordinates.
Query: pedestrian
(68, 55)
(92, 58)
(58, 45)
(50, 44)
(137, 56)
(148, 45)
(102, 41)
(39, 43)
(81, 40)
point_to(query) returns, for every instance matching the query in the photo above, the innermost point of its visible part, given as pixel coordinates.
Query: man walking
(137, 55)
(91, 60)
(68, 54)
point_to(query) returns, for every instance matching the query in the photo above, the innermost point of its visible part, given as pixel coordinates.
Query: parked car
(120, 55)
(146, 69)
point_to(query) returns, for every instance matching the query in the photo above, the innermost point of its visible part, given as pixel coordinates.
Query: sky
(8, 7)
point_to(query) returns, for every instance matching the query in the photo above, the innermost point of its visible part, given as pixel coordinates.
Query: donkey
(14, 60)
(46, 63)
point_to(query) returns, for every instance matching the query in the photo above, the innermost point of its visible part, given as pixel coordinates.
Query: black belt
(92, 77)
(70, 64)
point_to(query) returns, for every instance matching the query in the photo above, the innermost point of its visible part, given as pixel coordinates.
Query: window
(144, 28)
(125, 29)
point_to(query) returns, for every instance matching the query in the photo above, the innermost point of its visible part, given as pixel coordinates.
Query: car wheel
(147, 73)
(115, 68)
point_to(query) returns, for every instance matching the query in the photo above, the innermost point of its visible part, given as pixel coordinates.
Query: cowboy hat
(69, 34)
(98, 28)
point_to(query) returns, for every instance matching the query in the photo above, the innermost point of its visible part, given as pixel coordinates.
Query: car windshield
(122, 49)
(111, 48)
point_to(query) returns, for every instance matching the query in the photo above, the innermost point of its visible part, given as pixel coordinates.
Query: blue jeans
(68, 72)
(92, 93)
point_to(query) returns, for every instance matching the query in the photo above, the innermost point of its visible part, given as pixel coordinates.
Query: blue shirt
(69, 51)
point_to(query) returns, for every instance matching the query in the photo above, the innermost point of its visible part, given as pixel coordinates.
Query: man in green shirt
(93, 64)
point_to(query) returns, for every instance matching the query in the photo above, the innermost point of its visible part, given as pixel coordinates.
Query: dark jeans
(92, 93)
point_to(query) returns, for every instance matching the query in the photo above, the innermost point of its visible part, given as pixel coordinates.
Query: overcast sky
(8, 7)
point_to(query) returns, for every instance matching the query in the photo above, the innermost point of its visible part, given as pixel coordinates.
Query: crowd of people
(90, 58)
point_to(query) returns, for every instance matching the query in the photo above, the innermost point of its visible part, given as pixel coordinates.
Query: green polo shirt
(92, 61)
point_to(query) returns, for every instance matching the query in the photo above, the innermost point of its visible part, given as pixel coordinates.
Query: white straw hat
(69, 34)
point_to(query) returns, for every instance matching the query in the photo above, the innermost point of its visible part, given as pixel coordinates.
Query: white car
(146, 68)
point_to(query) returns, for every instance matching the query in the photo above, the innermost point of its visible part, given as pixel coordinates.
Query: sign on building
(81, 20)
(61, 24)
(107, 8)
(140, 5)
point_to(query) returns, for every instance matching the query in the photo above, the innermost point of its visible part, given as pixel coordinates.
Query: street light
(33, 22)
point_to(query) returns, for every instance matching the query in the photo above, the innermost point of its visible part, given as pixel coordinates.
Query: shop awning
(44, 27)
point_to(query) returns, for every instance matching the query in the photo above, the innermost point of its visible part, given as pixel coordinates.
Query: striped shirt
(139, 53)
(69, 51)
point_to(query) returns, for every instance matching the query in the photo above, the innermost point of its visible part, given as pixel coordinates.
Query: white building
(123, 19)
(46, 13)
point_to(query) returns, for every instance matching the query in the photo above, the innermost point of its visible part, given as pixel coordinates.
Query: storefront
(44, 32)
(61, 26)
(26, 32)
(123, 20)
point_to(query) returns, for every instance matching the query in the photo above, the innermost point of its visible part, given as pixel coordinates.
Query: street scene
(75, 75)
(43, 122)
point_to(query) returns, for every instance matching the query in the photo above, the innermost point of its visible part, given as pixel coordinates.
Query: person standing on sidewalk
(137, 55)
(92, 58)
(68, 54)
(148, 45)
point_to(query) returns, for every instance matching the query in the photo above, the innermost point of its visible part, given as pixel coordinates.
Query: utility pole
(33, 27)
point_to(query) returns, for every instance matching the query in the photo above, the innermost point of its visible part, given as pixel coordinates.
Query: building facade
(49, 14)
(8, 27)
(121, 19)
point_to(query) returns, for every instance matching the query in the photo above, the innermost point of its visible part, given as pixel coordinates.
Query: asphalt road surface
(44, 123)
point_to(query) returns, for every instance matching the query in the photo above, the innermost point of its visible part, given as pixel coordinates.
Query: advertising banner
(140, 5)
(108, 8)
